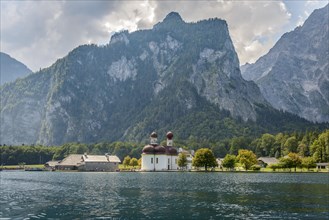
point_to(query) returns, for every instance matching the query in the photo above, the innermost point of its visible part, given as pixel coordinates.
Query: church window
(151, 160)
(157, 160)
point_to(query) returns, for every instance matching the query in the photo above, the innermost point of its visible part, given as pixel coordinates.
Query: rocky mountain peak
(173, 16)
(294, 75)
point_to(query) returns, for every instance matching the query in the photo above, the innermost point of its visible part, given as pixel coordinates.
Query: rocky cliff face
(294, 75)
(11, 69)
(177, 76)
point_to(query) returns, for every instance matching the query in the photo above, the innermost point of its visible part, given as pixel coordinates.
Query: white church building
(159, 158)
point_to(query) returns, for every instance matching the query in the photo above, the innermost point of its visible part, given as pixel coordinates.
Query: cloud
(39, 32)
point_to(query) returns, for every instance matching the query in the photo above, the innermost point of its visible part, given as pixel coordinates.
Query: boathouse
(266, 161)
(85, 162)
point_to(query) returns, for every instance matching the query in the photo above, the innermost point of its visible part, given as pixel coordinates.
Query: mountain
(294, 75)
(178, 76)
(11, 69)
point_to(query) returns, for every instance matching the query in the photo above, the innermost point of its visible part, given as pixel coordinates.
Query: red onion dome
(157, 149)
(148, 149)
(170, 135)
(171, 151)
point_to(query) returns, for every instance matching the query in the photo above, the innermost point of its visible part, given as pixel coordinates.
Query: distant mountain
(11, 69)
(178, 76)
(294, 75)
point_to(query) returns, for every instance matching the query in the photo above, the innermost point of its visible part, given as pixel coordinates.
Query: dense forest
(309, 143)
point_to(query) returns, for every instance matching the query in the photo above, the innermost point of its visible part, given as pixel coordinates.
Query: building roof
(187, 152)
(52, 163)
(71, 160)
(268, 160)
(101, 158)
(322, 164)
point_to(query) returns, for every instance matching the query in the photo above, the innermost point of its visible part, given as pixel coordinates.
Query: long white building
(159, 158)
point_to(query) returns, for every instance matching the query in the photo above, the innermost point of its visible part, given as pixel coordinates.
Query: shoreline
(163, 171)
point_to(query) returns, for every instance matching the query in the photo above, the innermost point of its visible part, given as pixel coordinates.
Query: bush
(255, 167)
(274, 166)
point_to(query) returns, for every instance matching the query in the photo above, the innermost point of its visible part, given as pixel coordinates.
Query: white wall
(160, 162)
(146, 162)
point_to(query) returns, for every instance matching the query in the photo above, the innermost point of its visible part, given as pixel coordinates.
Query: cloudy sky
(37, 33)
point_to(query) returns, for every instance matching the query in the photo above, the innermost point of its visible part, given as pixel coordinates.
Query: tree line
(308, 144)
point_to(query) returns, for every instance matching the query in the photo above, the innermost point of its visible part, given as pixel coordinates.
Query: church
(159, 158)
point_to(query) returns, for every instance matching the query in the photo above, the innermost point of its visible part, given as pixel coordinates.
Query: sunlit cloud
(50, 29)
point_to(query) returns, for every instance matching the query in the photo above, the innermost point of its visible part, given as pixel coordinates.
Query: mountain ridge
(184, 79)
(11, 69)
(293, 75)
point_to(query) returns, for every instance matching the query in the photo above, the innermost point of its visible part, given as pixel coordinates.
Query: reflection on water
(60, 195)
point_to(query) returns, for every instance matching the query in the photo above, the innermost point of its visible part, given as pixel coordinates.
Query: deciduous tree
(229, 161)
(182, 160)
(247, 158)
(133, 162)
(308, 162)
(204, 157)
(126, 161)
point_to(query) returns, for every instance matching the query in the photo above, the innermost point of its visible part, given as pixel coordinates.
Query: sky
(38, 33)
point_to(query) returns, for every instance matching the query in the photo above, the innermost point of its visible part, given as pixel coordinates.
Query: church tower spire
(154, 138)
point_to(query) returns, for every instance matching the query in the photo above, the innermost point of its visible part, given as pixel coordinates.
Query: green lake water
(190, 195)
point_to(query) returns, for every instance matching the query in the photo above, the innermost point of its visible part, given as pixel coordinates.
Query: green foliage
(308, 162)
(320, 147)
(238, 143)
(310, 144)
(292, 160)
(274, 166)
(126, 161)
(290, 145)
(247, 158)
(182, 160)
(267, 144)
(133, 162)
(204, 157)
(229, 161)
(12, 155)
(255, 167)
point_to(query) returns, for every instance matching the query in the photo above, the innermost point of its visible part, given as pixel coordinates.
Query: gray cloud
(39, 32)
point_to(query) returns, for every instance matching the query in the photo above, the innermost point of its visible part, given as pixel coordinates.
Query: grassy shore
(21, 167)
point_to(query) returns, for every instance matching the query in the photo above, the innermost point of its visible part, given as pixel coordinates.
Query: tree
(247, 158)
(290, 145)
(204, 157)
(277, 154)
(133, 162)
(291, 160)
(126, 161)
(182, 160)
(308, 162)
(274, 166)
(302, 149)
(219, 150)
(229, 161)
(295, 160)
(238, 143)
(267, 144)
(320, 147)
(285, 162)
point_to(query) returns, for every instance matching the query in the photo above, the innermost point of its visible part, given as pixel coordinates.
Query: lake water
(67, 195)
